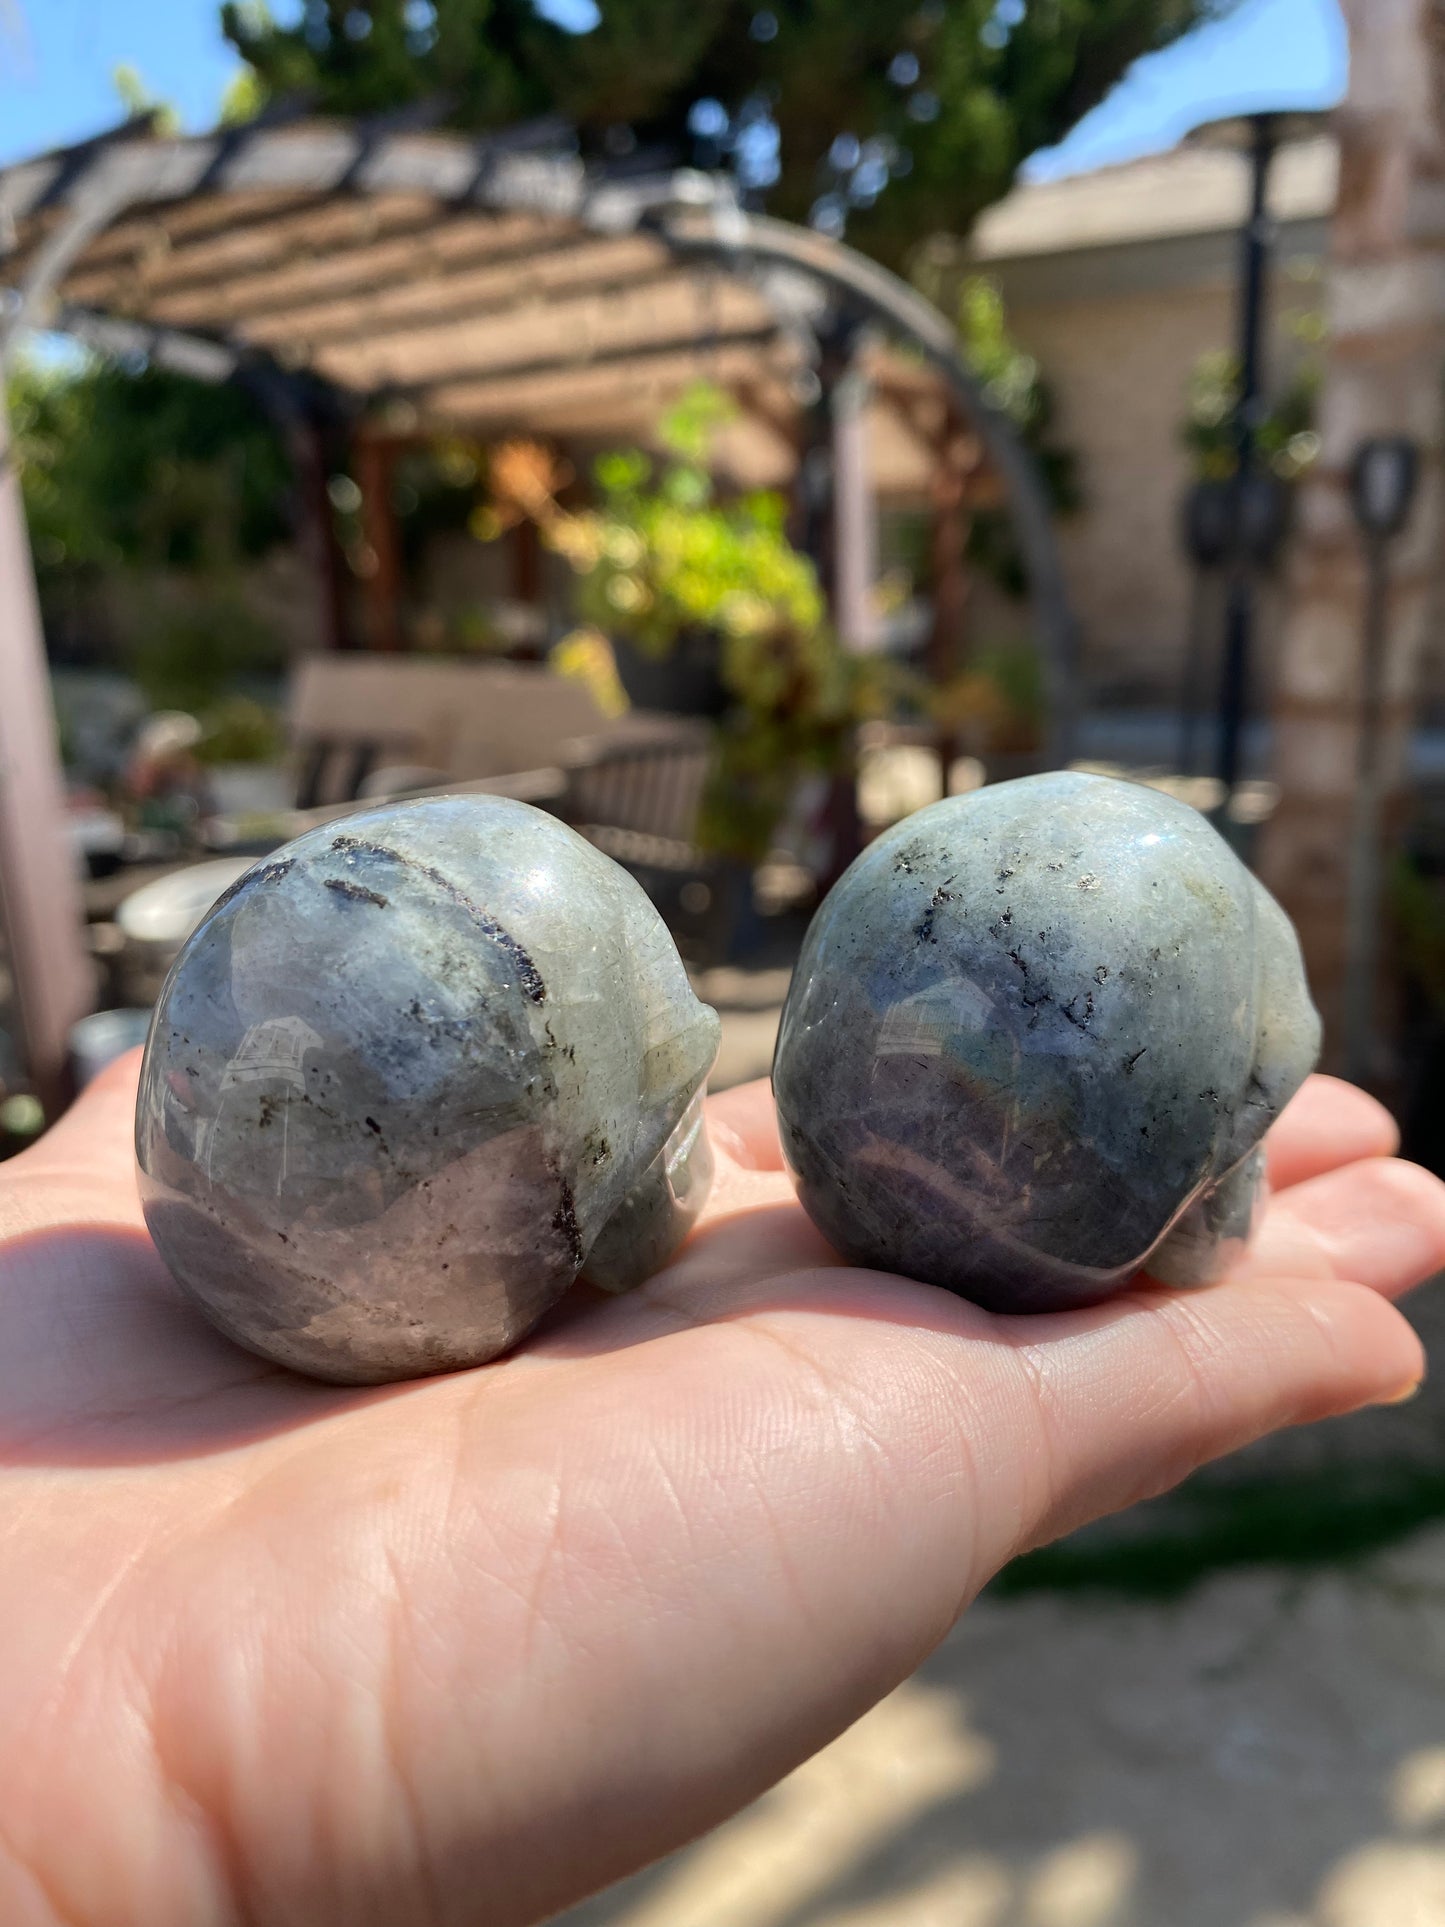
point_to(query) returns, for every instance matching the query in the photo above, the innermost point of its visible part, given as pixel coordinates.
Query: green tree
(487, 59)
(140, 103)
(1013, 382)
(1286, 437)
(121, 466)
(894, 121)
(131, 475)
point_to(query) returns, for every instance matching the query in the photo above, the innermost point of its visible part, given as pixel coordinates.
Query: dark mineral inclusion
(408, 1078)
(1033, 1041)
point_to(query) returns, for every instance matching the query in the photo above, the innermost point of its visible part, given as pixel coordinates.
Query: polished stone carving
(412, 1075)
(1033, 1041)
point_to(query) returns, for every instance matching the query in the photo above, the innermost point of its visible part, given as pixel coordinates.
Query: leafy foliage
(238, 729)
(661, 556)
(119, 467)
(140, 103)
(194, 656)
(585, 656)
(897, 122)
(1327, 1517)
(488, 58)
(997, 702)
(137, 475)
(1286, 437)
(1015, 384)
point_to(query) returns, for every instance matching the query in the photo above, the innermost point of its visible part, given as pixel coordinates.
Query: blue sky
(1266, 53)
(57, 58)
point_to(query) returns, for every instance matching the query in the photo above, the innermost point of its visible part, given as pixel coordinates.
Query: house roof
(1191, 191)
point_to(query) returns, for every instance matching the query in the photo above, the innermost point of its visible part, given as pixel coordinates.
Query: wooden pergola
(382, 283)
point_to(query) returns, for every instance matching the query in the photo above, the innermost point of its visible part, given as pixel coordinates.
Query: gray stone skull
(1033, 1042)
(409, 1077)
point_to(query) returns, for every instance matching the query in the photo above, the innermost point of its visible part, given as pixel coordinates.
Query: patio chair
(638, 801)
(428, 722)
(371, 727)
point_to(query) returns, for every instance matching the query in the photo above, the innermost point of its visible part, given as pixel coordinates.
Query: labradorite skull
(408, 1078)
(1033, 1042)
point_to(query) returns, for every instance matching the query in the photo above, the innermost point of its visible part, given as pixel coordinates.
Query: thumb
(82, 1171)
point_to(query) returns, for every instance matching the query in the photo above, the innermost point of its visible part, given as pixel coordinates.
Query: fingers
(1138, 1396)
(83, 1169)
(103, 1113)
(744, 1125)
(991, 1435)
(1379, 1222)
(788, 1508)
(1327, 1124)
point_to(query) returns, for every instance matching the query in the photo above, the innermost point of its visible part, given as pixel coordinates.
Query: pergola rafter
(468, 271)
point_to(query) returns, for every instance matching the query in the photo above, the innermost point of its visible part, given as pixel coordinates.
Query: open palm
(463, 1649)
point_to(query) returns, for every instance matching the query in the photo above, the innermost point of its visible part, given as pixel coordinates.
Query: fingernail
(1404, 1395)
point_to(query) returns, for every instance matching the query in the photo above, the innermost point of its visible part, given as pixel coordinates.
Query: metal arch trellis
(695, 215)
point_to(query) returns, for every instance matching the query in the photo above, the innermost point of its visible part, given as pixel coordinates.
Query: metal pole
(1203, 612)
(1363, 915)
(826, 527)
(40, 902)
(1239, 610)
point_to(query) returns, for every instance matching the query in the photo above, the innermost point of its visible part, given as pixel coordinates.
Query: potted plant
(669, 565)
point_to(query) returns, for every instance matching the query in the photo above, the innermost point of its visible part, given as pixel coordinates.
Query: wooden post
(527, 564)
(318, 531)
(1387, 346)
(527, 583)
(40, 900)
(375, 460)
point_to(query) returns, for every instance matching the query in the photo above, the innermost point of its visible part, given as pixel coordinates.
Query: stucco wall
(1120, 366)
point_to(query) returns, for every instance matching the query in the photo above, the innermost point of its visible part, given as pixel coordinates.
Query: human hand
(464, 1649)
